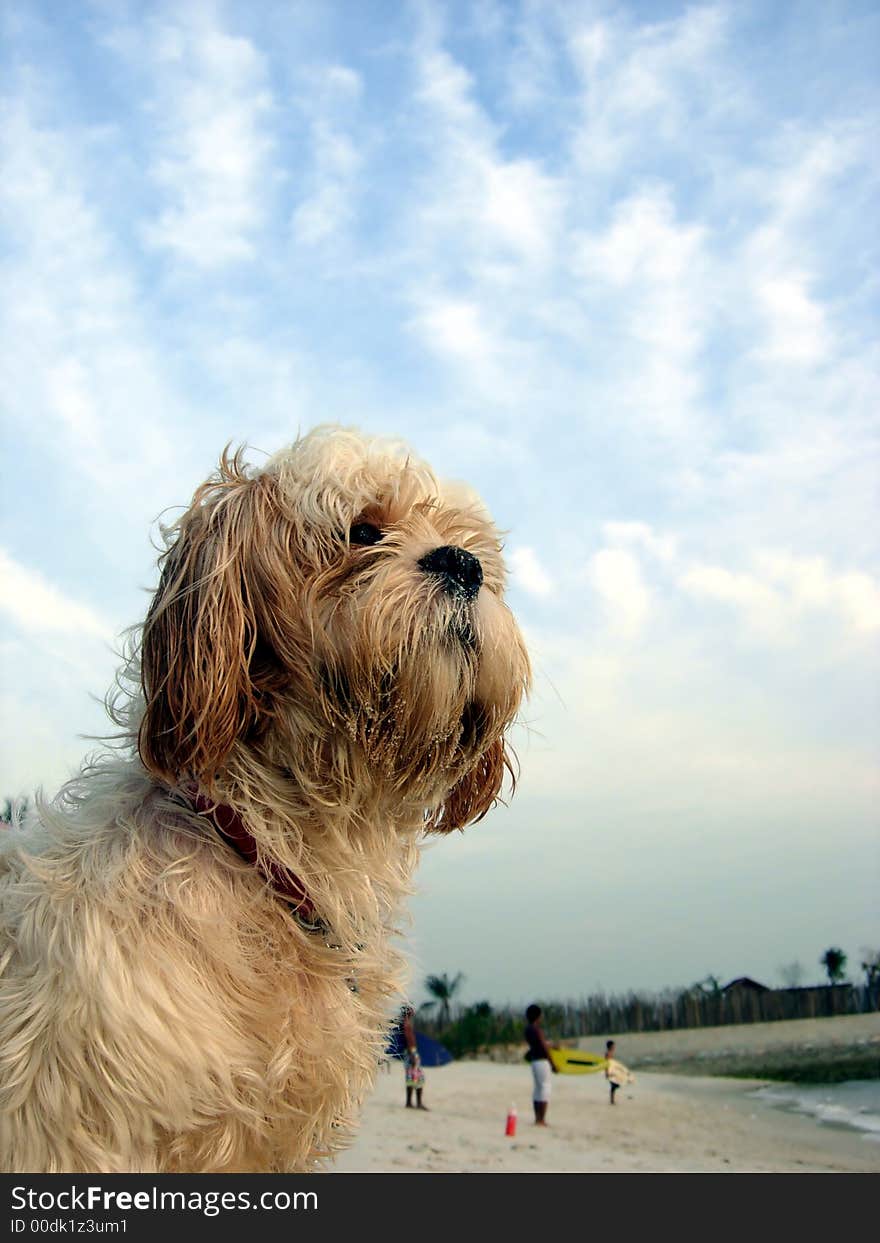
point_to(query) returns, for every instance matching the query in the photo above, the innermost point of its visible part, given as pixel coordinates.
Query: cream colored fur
(162, 1008)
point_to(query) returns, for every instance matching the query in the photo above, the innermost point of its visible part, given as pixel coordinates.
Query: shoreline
(800, 1051)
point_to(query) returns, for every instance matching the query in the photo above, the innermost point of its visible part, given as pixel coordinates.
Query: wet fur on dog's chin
(161, 1007)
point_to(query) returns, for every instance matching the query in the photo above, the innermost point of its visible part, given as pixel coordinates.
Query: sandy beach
(662, 1123)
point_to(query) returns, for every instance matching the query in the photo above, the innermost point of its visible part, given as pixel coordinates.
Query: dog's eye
(364, 533)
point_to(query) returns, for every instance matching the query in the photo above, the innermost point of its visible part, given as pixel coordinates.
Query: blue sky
(616, 266)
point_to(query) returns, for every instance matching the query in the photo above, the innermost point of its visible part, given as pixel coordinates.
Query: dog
(197, 935)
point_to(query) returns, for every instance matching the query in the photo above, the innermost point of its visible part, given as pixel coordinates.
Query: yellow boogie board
(619, 1073)
(576, 1061)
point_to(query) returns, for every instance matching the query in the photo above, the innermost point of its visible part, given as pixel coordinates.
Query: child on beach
(611, 1074)
(538, 1055)
(412, 1063)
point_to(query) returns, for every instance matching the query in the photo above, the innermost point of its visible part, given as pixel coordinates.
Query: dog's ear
(199, 638)
(476, 792)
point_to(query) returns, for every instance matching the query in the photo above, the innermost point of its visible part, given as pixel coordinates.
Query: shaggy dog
(196, 956)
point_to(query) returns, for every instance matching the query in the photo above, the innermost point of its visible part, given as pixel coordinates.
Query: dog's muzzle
(459, 571)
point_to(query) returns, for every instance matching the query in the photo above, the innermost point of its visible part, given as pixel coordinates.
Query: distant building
(744, 985)
(747, 1001)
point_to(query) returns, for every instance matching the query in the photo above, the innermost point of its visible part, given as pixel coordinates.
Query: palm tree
(871, 967)
(834, 962)
(443, 990)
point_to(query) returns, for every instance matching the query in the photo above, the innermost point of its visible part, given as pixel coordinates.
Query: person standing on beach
(412, 1063)
(538, 1054)
(611, 1073)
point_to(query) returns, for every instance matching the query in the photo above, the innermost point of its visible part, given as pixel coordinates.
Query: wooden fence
(482, 1025)
(740, 1005)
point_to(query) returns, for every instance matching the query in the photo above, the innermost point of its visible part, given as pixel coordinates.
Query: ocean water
(854, 1104)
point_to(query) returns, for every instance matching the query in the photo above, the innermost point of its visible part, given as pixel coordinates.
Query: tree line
(479, 1026)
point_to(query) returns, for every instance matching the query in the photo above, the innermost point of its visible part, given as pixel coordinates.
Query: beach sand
(662, 1123)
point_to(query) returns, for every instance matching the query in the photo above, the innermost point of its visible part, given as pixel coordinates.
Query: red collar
(230, 826)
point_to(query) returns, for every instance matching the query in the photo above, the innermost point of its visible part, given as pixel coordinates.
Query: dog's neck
(232, 829)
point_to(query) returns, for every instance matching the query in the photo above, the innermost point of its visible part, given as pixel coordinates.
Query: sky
(615, 265)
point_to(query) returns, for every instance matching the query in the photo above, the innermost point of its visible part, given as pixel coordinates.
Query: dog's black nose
(460, 571)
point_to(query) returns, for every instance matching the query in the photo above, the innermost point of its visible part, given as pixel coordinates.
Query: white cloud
(795, 323)
(859, 597)
(759, 603)
(794, 184)
(804, 168)
(328, 192)
(811, 585)
(644, 243)
(211, 112)
(484, 228)
(494, 207)
(528, 573)
(651, 277)
(80, 365)
(457, 328)
(67, 393)
(783, 589)
(467, 334)
(520, 206)
(330, 204)
(343, 81)
(639, 82)
(36, 606)
(617, 577)
(663, 547)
